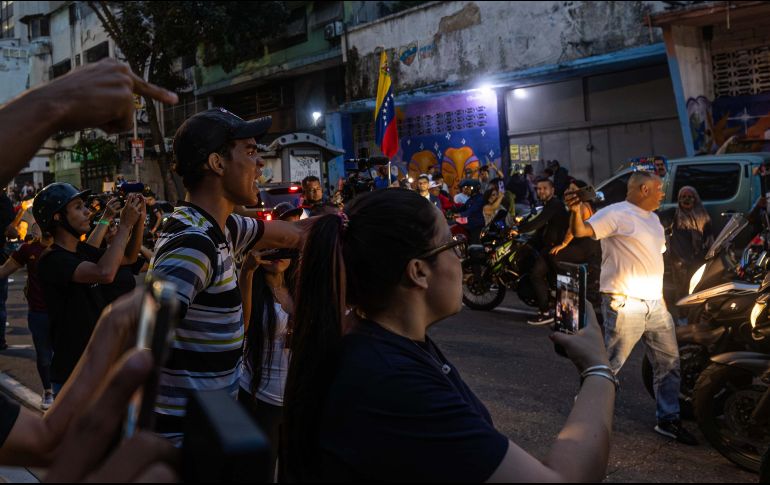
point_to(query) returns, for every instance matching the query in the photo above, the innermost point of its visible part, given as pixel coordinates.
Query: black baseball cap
(286, 209)
(208, 131)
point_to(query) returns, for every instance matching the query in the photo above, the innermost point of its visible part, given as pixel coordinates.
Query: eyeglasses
(458, 243)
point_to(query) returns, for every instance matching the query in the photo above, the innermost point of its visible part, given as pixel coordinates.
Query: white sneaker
(47, 401)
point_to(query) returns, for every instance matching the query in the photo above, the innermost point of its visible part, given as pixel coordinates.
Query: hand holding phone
(157, 321)
(571, 281)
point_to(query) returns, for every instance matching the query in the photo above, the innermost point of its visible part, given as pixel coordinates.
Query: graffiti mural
(454, 134)
(747, 118)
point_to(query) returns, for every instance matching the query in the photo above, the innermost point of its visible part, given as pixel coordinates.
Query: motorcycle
(732, 406)
(721, 303)
(498, 263)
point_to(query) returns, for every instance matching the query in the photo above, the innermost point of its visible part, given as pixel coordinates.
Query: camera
(361, 178)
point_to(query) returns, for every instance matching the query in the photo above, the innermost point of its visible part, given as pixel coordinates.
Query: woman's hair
(694, 219)
(260, 336)
(354, 259)
(488, 194)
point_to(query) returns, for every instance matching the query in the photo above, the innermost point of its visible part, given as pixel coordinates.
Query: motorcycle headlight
(756, 312)
(696, 278)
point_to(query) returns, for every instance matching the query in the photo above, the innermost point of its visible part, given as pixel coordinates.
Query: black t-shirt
(153, 213)
(391, 415)
(124, 281)
(9, 413)
(73, 308)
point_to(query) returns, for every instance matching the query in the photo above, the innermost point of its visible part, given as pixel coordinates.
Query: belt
(620, 295)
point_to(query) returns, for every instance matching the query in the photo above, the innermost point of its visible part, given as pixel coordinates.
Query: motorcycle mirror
(599, 196)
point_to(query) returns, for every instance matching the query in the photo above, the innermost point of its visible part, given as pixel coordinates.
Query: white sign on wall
(303, 164)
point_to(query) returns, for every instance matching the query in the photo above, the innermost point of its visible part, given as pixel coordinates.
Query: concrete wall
(462, 43)
(14, 68)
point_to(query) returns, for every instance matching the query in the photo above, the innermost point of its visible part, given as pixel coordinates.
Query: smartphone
(571, 281)
(586, 194)
(282, 253)
(157, 321)
(222, 443)
(501, 186)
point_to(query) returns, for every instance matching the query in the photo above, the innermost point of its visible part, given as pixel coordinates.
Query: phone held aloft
(570, 316)
(282, 253)
(157, 322)
(586, 194)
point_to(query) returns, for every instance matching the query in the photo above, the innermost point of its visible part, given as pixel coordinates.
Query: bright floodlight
(520, 93)
(316, 116)
(486, 90)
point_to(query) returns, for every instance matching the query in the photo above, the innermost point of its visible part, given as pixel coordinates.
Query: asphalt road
(528, 389)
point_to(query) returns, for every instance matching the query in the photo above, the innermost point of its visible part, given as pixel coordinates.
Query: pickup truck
(725, 183)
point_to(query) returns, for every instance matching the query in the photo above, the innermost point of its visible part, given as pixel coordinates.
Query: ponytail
(316, 340)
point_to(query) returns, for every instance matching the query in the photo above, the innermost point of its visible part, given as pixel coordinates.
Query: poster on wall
(303, 164)
(515, 153)
(454, 134)
(524, 153)
(534, 152)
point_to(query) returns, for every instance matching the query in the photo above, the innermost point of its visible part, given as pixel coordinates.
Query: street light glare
(316, 116)
(486, 90)
(520, 93)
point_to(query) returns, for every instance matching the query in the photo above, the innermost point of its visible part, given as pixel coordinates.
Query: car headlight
(756, 312)
(696, 278)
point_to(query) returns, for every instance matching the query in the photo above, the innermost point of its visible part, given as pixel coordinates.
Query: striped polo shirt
(206, 352)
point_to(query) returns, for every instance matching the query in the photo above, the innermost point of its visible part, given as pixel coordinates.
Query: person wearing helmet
(73, 274)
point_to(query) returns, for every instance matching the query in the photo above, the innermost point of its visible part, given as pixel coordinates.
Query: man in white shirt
(466, 190)
(633, 243)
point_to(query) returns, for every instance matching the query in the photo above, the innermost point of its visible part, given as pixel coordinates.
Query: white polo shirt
(633, 242)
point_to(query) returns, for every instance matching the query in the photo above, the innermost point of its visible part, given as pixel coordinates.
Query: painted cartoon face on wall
(459, 163)
(421, 162)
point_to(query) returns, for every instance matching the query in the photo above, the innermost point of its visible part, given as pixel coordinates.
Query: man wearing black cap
(216, 155)
(73, 274)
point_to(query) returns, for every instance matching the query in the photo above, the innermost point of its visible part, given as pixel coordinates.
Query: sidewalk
(18, 373)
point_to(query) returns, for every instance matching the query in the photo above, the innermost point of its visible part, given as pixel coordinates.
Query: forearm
(10, 267)
(567, 238)
(97, 235)
(244, 283)
(578, 227)
(581, 450)
(135, 242)
(28, 121)
(113, 257)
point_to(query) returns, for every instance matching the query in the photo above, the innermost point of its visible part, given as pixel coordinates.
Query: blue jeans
(626, 320)
(41, 337)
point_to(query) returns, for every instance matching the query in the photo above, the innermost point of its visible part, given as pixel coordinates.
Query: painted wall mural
(746, 117)
(455, 134)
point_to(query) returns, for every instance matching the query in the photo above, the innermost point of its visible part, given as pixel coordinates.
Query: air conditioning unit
(333, 30)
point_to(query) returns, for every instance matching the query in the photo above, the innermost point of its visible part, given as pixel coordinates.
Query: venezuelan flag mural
(386, 133)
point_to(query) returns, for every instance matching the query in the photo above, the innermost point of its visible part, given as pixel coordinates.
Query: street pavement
(527, 387)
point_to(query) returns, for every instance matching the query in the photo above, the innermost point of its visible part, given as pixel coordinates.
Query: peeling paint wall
(460, 43)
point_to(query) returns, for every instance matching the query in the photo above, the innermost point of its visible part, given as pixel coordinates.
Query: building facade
(584, 83)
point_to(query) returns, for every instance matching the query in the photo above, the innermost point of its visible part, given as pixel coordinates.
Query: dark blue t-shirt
(391, 415)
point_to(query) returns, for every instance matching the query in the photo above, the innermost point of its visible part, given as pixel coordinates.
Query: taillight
(269, 217)
(293, 188)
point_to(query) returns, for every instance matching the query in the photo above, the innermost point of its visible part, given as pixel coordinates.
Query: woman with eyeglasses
(370, 397)
(689, 234)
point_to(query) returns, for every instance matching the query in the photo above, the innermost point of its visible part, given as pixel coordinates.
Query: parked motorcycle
(498, 263)
(720, 317)
(732, 406)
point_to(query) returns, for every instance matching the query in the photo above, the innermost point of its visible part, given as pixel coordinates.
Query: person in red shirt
(37, 316)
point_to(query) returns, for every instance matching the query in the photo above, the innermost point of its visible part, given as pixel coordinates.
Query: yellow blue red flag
(385, 131)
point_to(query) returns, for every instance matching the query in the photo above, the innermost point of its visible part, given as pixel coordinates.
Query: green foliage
(152, 34)
(99, 150)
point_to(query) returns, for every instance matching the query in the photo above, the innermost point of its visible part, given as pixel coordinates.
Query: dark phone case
(222, 443)
(586, 194)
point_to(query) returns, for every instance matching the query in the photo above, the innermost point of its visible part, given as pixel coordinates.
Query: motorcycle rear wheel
(724, 399)
(481, 294)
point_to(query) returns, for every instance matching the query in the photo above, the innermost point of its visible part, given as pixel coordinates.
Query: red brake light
(293, 188)
(269, 217)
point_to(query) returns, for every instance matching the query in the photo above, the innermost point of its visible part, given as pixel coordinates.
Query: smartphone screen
(570, 298)
(157, 321)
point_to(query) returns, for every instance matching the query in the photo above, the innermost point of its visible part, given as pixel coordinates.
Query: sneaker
(47, 401)
(542, 318)
(675, 430)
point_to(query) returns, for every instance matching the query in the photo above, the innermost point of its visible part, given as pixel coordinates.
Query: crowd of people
(328, 348)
